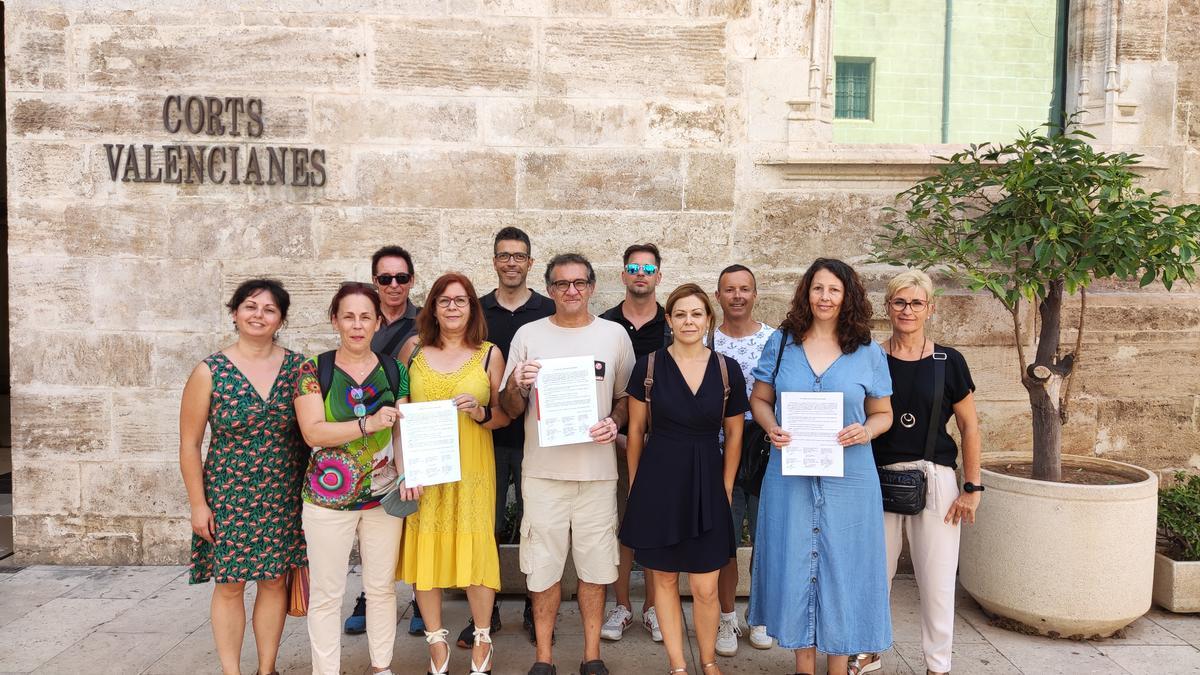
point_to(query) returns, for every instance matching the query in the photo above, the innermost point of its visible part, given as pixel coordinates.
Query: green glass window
(852, 90)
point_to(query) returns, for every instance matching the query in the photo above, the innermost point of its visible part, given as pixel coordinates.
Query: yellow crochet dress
(450, 541)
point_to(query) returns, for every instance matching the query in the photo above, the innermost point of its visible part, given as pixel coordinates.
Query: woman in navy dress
(819, 580)
(678, 518)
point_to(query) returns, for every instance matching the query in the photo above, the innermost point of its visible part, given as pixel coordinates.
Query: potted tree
(1177, 563)
(1037, 220)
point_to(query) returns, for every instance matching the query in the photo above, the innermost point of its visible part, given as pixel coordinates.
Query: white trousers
(330, 535)
(933, 546)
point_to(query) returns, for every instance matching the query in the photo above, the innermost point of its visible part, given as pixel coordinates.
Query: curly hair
(854, 318)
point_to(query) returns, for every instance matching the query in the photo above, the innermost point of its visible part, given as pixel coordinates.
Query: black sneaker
(595, 667)
(416, 624)
(356, 623)
(466, 639)
(527, 624)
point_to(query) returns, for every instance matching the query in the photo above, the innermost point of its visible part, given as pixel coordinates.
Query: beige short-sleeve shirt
(607, 343)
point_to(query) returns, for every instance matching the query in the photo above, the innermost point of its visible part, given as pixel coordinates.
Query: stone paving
(149, 620)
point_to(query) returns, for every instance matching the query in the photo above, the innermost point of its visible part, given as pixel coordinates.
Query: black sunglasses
(387, 279)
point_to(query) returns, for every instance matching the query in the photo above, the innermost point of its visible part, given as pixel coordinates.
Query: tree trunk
(1044, 380)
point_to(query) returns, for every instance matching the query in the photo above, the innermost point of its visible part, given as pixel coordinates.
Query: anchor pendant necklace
(907, 419)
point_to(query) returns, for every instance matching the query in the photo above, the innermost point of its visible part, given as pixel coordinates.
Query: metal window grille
(852, 90)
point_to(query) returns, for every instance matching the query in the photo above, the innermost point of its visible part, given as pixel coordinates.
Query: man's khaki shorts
(567, 515)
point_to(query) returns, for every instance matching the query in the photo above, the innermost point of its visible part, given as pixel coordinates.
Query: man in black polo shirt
(511, 305)
(645, 322)
(392, 272)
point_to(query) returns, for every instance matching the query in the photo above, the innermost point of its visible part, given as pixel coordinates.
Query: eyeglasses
(899, 305)
(357, 395)
(516, 257)
(562, 285)
(459, 301)
(387, 279)
(633, 268)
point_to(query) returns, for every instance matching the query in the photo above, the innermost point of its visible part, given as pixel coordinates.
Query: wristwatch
(971, 487)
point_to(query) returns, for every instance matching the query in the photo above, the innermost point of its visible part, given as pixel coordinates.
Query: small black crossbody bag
(904, 490)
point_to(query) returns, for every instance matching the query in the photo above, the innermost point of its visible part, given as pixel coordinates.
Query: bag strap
(325, 372)
(779, 358)
(939, 385)
(724, 381)
(413, 356)
(488, 358)
(392, 371)
(649, 384)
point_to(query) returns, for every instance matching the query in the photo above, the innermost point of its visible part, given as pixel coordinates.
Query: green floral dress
(252, 477)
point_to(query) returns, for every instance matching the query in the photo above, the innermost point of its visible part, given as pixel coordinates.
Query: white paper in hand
(429, 437)
(565, 400)
(814, 420)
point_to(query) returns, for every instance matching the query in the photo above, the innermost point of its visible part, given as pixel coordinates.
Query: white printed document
(814, 420)
(429, 437)
(565, 400)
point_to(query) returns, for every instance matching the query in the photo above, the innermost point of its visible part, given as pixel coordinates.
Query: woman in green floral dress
(245, 495)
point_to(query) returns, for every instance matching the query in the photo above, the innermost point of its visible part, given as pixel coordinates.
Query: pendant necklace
(907, 419)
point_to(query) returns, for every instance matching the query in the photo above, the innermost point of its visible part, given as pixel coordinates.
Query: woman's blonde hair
(910, 279)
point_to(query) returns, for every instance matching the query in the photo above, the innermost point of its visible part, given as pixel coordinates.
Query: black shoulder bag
(756, 444)
(904, 491)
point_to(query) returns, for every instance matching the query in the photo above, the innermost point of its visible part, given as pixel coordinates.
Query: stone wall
(703, 125)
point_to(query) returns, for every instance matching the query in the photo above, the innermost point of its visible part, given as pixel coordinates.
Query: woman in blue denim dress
(819, 580)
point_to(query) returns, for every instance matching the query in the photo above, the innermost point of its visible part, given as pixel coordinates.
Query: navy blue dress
(677, 518)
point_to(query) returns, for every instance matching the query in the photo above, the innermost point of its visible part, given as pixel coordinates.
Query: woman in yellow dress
(450, 542)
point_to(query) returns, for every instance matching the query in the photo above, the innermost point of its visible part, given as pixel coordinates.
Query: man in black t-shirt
(392, 272)
(508, 307)
(645, 321)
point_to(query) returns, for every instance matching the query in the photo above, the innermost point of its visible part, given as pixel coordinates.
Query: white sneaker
(619, 618)
(759, 638)
(727, 636)
(650, 621)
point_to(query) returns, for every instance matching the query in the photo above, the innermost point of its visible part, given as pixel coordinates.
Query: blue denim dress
(820, 576)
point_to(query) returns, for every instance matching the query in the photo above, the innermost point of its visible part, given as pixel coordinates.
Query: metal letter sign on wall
(246, 164)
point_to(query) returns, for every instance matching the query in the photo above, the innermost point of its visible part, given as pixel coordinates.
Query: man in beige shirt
(570, 491)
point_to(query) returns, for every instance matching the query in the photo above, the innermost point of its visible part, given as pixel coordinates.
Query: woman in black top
(933, 534)
(677, 519)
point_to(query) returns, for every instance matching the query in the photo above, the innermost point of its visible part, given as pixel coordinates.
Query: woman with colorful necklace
(913, 361)
(346, 404)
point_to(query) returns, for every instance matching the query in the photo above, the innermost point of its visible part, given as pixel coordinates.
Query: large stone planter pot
(1176, 584)
(1065, 560)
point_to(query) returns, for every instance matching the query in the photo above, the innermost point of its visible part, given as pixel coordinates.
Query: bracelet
(362, 426)
(487, 415)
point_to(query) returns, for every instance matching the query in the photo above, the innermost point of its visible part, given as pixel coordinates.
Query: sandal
(431, 639)
(676, 670)
(483, 637)
(705, 666)
(864, 663)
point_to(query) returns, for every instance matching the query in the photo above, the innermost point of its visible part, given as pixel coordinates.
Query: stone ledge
(880, 166)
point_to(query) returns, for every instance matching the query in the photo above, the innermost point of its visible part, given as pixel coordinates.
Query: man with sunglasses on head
(645, 322)
(392, 272)
(511, 305)
(570, 491)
